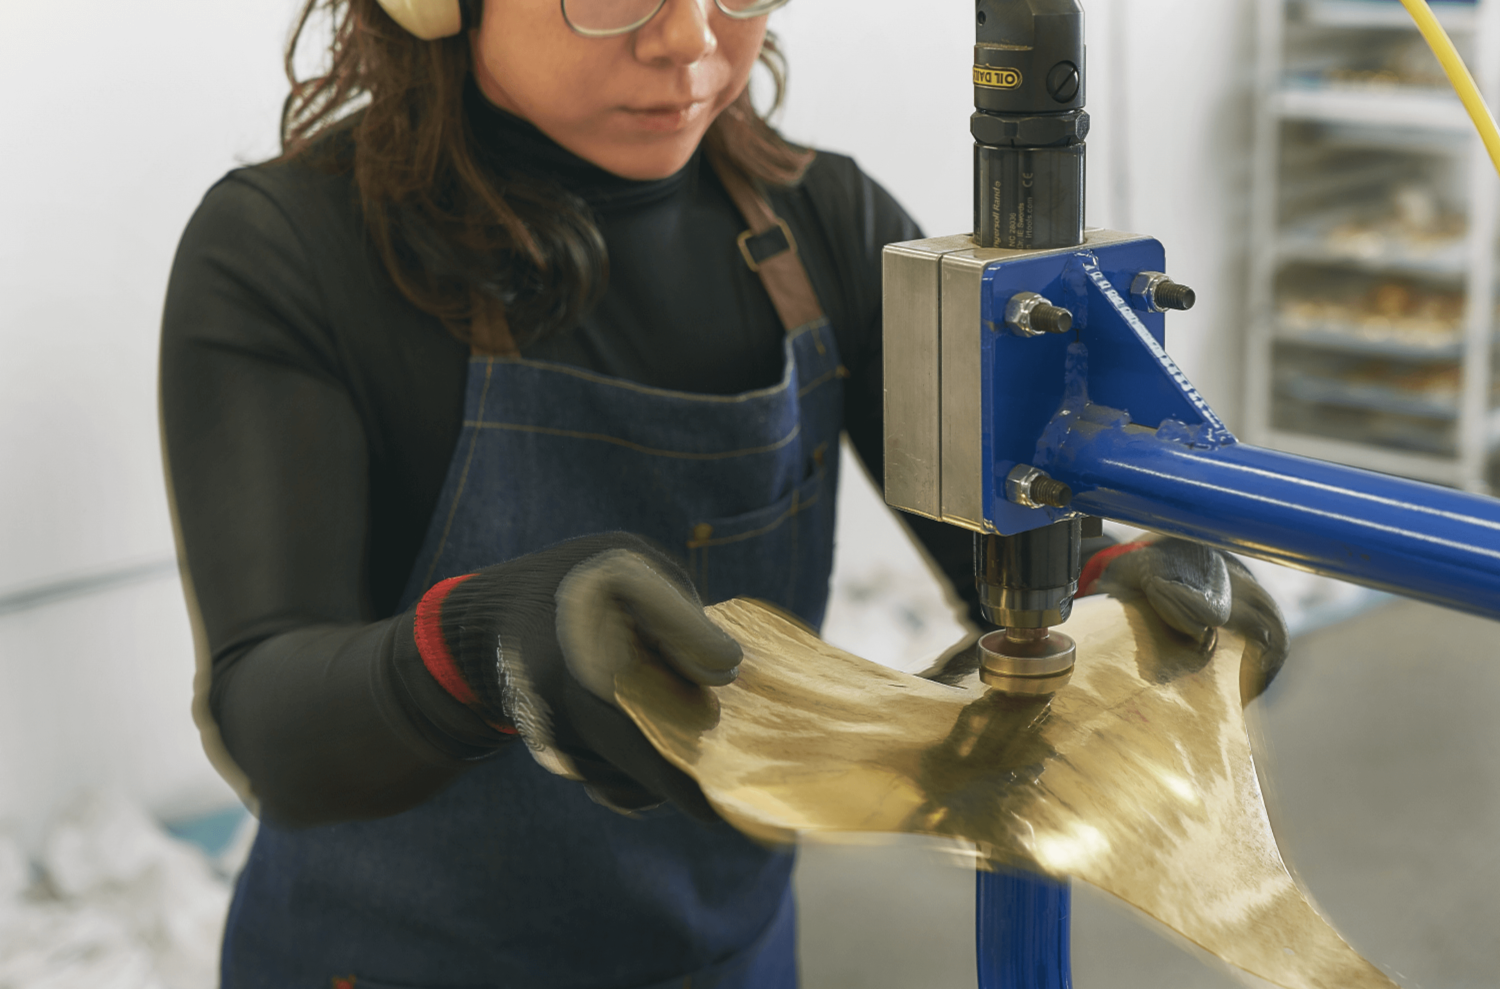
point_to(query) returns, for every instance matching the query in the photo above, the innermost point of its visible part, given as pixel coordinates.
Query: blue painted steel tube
(1374, 529)
(1022, 923)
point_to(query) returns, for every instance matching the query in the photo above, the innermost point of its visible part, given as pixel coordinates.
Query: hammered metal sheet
(1137, 777)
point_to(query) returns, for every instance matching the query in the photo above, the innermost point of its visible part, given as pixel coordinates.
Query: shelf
(1366, 397)
(1422, 466)
(1379, 456)
(1361, 268)
(1420, 109)
(1448, 262)
(1382, 13)
(1353, 341)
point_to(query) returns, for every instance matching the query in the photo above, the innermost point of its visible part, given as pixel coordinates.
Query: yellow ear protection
(433, 19)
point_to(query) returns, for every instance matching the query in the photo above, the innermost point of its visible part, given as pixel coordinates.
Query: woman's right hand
(533, 646)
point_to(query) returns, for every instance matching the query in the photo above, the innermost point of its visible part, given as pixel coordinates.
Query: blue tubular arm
(1386, 532)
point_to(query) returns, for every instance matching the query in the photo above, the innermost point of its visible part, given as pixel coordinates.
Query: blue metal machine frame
(1105, 410)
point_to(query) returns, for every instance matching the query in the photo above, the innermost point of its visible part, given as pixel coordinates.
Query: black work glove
(1191, 587)
(1196, 589)
(538, 641)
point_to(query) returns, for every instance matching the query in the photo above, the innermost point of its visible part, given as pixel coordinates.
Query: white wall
(117, 117)
(888, 82)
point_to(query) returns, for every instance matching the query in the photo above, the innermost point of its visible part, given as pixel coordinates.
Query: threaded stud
(1031, 315)
(1170, 295)
(1153, 291)
(1051, 492)
(1032, 488)
(1052, 319)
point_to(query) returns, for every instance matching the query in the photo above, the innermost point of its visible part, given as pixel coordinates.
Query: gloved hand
(1193, 588)
(1196, 589)
(535, 643)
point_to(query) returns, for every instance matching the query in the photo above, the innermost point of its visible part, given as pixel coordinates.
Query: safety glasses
(608, 18)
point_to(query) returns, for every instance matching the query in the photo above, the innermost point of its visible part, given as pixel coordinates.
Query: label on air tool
(995, 78)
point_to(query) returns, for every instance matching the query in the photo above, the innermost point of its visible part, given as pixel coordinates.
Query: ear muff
(427, 19)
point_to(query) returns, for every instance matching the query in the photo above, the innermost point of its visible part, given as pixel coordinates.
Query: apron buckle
(758, 248)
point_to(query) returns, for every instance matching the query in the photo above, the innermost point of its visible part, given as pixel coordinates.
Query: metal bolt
(1054, 494)
(1170, 295)
(1153, 291)
(1031, 488)
(1030, 315)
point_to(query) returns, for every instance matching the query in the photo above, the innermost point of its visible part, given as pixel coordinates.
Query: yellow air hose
(1458, 75)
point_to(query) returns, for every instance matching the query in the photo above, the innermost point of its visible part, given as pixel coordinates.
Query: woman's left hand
(1191, 587)
(1196, 589)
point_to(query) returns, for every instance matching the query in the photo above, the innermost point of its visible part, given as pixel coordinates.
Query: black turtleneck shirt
(310, 412)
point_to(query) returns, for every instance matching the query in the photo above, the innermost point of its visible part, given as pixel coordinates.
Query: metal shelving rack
(1303, 121)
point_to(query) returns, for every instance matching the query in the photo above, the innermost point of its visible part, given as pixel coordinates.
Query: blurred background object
(114, 901)
(1312, 179)
(1373, 242)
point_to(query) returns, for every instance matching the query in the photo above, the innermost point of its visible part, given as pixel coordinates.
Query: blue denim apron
(513, 877)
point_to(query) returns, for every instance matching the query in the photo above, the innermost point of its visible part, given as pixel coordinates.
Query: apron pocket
(773, 553)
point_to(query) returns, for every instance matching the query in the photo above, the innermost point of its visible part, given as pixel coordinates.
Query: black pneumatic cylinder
(1028, 198)
(1029, 124)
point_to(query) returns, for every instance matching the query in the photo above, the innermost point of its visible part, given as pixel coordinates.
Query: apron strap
(769, 248)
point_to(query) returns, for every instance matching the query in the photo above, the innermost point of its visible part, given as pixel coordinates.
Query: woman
(535, 339)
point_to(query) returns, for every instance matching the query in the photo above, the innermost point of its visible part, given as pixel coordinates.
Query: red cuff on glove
(1094, 569)
(436, 655)
(433, 648)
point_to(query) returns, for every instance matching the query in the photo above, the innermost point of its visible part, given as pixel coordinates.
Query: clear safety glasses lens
(607, 18)
(745, 9)
(604, 18)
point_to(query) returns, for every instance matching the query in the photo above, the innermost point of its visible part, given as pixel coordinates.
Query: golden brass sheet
(1136, 777)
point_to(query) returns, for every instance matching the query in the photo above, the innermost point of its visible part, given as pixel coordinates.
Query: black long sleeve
(310, 412)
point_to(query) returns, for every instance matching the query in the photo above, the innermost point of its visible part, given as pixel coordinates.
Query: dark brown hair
(500, 256)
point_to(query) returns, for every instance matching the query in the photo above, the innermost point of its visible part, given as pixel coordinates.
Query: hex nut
(1031, 315)
(1032, 488)
(1044, 131)
(1155, 292)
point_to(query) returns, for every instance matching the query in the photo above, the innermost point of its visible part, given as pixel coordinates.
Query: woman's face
(636, 105)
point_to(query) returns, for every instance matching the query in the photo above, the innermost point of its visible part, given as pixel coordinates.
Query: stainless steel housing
(934, 464)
